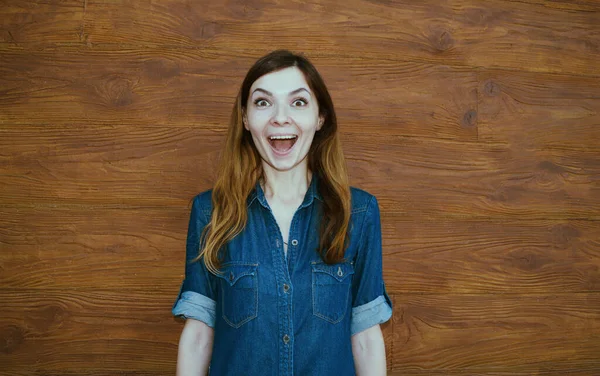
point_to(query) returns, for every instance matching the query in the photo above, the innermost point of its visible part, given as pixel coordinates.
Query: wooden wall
(477, 125)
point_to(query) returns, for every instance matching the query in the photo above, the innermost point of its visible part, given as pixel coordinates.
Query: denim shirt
(274, 314)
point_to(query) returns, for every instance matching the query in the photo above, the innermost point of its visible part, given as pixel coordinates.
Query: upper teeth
(282, 137)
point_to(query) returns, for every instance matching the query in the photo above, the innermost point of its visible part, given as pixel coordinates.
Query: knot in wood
(470, 119)
(491, 88)
(442, 41)
(12, 337)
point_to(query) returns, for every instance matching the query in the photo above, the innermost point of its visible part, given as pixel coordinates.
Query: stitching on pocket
(331, 271)
(251, 271)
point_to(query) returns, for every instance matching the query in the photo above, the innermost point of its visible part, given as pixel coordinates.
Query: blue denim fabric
(294, 315)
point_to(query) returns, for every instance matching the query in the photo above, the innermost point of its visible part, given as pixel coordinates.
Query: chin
(282, 167)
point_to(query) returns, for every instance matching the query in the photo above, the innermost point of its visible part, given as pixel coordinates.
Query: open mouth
(282, 143)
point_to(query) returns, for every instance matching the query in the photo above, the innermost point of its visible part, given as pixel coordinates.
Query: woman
(283, 268)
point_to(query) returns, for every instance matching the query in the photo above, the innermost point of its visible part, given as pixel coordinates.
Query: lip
(287, 152)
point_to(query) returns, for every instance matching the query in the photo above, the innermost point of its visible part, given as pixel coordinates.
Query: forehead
(282, 81)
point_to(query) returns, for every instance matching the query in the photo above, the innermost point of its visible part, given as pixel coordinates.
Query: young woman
(283, 269)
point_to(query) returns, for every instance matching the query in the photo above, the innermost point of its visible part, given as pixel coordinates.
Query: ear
(320, 124)
(245, 120)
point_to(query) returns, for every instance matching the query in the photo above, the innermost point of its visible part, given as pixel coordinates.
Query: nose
(280, 115)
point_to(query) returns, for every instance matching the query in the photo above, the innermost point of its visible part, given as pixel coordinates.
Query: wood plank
(41, 22)
(570, 5)
(153, 87)
(67, 86)
(518, 35)
(503, 34)
(445, 179)
(90, 331)
(536, 112)
(481, 334)
(125, 165)
(73, 247)
(503, 257)
(88, 372)
(440, 178)
(547, 371)
(66, 247)
(504, 333)
(86, 330)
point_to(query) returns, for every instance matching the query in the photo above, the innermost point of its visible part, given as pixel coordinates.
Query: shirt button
(294, 242)
(285, 287)
(286, 339)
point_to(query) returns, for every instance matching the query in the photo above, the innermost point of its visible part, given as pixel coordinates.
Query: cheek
(309, 119)
(258, 119)
(308, 123)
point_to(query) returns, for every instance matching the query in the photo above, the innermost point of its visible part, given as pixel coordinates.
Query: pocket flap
(338, 271)
(232, 272)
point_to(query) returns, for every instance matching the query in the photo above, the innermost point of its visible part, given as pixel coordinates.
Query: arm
(368, 349)
(195, 348)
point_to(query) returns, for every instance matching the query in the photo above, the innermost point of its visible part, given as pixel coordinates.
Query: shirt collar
(312, 193)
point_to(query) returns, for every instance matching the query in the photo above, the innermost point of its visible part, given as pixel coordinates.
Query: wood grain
(433, 178)
(482, 333)
(496, 257)
(109, 330)
(547, 371)
(153, 87)
(476, 125)
(99, 330)
(515, 35)
(41, 22)
(440, 178)
(107, 165)
(534, 113)
(69, 248)
(65, 247)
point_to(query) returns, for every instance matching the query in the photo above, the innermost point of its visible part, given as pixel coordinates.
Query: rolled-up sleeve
(371, 304)
(197, 295)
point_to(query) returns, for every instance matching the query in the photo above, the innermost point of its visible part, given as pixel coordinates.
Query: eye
(261, 102)
(299, 102)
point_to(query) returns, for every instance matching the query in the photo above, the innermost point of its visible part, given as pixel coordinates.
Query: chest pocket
(239, 292)
(331, 290)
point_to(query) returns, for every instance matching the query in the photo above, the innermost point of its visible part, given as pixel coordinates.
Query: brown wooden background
(477, 125)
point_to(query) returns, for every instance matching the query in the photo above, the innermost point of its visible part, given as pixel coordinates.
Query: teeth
(282, 137)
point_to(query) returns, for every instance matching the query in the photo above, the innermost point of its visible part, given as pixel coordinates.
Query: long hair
(241, 168)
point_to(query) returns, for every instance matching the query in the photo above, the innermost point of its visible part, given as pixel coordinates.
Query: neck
(286, 186)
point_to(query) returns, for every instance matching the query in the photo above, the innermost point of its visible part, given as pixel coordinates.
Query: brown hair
(241, 168)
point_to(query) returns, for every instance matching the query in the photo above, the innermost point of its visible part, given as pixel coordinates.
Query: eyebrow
(271, 94)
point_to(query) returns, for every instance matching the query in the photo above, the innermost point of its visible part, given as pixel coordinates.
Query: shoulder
(202, 204)
(362, 201)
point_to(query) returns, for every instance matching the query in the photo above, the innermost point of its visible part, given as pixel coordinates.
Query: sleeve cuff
(372, 313)
(192, 305)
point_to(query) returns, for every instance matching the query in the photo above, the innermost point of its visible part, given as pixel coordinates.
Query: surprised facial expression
(282, 115)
